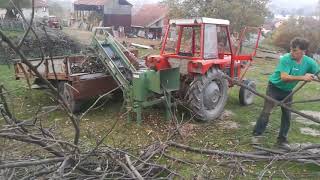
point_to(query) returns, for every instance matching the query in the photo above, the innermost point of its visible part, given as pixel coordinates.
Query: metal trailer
(75, 88)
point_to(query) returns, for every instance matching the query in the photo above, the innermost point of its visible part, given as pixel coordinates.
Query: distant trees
(56, 9)
(12, 11)
(240, 12)
(306, 27)
(61, 9)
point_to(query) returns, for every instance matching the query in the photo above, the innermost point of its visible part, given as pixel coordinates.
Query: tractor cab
(202, 38)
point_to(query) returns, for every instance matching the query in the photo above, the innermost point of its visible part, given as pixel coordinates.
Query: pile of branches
(91, 65)
(63, 159)
(46, 42)
(53, 42)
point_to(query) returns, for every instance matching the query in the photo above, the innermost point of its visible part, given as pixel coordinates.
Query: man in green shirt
(292, 68)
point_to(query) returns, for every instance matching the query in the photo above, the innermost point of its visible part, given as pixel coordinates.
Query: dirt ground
(82, 36)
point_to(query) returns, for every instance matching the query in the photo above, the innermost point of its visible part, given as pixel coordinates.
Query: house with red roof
(150, 21)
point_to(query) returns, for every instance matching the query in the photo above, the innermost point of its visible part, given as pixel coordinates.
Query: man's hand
(308, 77)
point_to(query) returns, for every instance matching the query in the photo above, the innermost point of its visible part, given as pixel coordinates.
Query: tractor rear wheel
(207, 95)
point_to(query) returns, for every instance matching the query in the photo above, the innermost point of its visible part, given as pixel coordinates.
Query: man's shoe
(283, 144)
(256, 140)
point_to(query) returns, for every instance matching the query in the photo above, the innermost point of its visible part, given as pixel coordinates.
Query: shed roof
(148, 14)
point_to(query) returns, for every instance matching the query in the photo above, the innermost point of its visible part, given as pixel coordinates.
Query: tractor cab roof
(202, 20)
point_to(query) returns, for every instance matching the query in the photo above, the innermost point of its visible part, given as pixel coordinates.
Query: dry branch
(134, 170)
(31, 163)
(286, 157)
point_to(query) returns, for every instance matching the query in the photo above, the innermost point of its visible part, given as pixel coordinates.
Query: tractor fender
(199, 67)
(202, 67)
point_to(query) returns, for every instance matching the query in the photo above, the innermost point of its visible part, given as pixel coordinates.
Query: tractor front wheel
(246, 97)
(207, 95)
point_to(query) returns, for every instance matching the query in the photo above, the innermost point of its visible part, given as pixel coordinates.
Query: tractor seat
(189, 54)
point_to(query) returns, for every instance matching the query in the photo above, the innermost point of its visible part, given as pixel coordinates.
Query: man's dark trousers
(263, 119)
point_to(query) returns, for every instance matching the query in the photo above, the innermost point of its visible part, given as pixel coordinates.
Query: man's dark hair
(300, 43)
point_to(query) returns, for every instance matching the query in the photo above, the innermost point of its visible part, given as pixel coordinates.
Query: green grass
(7, 77)
(133, 137)
(13, 34)
(21, 98)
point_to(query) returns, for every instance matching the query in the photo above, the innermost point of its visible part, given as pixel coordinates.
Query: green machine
(141, 87)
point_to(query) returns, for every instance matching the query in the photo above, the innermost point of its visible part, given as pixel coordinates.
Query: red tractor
(205, 52)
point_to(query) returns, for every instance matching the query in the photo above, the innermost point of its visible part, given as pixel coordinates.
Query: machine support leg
(129, 115)
(128, 108)
(138, 111)
(168, 105)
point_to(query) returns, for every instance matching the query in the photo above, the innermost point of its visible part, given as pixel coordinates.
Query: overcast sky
(278, 2)
(275, 1)
(296, 2)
